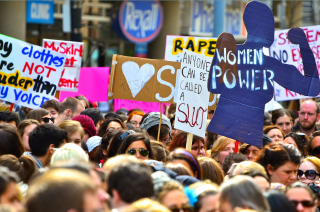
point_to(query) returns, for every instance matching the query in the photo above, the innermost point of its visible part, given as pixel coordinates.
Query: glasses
(143, 152)
(304, 203)
(46, 119)
(316, 151)
(124, 135)
(184, 209)
(309, 174)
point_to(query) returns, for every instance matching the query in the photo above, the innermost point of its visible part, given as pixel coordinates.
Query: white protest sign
(29, 74)
(73, 50)
(193, 95)
(289, 53)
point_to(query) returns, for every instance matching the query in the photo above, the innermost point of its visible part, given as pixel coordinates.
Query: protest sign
(69, 80)
(29, 74)
(147, 107)
(93, 84)
(244, 76)
(193, 95)
(289, 53)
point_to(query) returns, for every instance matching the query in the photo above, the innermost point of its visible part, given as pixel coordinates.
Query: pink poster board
(147, 107)
(93, 84)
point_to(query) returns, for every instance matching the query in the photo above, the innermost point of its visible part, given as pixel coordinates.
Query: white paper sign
(193, 94)
(73, 50)
(289, 53)
(29, 74)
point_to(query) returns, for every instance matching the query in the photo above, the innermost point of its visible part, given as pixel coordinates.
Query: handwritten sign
(29, 74)
(286, 52)
(193, 96)
(147, 107)
(244, 76)
(93, 84)
(69, 80)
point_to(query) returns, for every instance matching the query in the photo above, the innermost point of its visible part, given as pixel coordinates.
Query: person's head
(302, 197)
(239, 192)
(69, 152)
(84, 101)
(299, 140)
(174, 131)
(24, 128)
(41, 115)
(24, 166)
(10, 141)
(171, 195)
(87, 125)
(274, 132)
(62, 190)
(93, 145)
(222, 148)
(180, 140)
(267, 119)
(281, 162)
(74, 130)
(188, 159)
(207, 196)
(231, 159)
(128, 182)
(9, 194)
(146, 205)
(134, 118)
(283, 119)
(160, 151)
(308, 114)
(247, 167)
(96, 116)
(110, 124)
(101, 154)
(136, 144)
(112, 115)
(10, 118)
(178, 168)
(313, 145)
(116, 142)
(52, 106)
(69, 108)
(279, 202)
(250, 151)
(122, 111)
(150, 123)
(44, 138)
(211, 170)
(309, 170)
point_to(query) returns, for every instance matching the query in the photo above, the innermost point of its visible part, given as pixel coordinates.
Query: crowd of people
(70, 157)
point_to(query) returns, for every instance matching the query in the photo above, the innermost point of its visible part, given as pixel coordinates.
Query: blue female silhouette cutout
(244, 76)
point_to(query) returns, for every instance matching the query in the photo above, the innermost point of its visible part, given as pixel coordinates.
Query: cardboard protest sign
(193, 96)
(93, 84)
(244, 76)
(147, 107)
(73, 50)
(286, 52)
(29, 74)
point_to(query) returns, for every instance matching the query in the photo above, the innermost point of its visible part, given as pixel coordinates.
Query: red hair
(134, 113)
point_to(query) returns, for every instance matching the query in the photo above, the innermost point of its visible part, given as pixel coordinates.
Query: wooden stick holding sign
(158, 138)
(189, 141)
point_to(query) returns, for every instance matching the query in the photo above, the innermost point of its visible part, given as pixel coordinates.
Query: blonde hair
(146, 205)
(314, 160)
(166, 188)
(248, 166)
(69, 151)
(72, 127)
(117, 160)
(220, 145)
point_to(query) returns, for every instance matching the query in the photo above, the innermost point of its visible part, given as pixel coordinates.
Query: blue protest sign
(141, 21)
(40, 12)
(244, 76)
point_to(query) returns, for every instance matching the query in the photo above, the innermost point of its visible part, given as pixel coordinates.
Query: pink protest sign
(147, 107)
(93, 84)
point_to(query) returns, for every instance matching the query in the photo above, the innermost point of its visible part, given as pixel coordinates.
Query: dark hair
(84, 146)
(279, 202)
(132, 138)
(211, 138)
(190, 158)
(105, 141)
(24, 166)
(279, 113)
(43, 136)
(112, 115)
(37, 114)
(160, 151)
(51, 104)
(308, 148)
(132, 180)
(153, 131)
(178, 168)
(231, 159)
(95, 114)
(10, 141)
(277, 154)
(267, 129)
(300, 140)
(115, 143)
(6, 177)
(105, 124)
(22, 126)
(180, 140)
(211, 170)
(8, 116)
(266, 119)
(69, 103)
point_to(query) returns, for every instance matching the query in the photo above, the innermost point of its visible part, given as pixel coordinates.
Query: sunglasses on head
(304, 203)
(316, 151)
(46, 119)
(309, 174)
(184, 209)
(143, 152)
